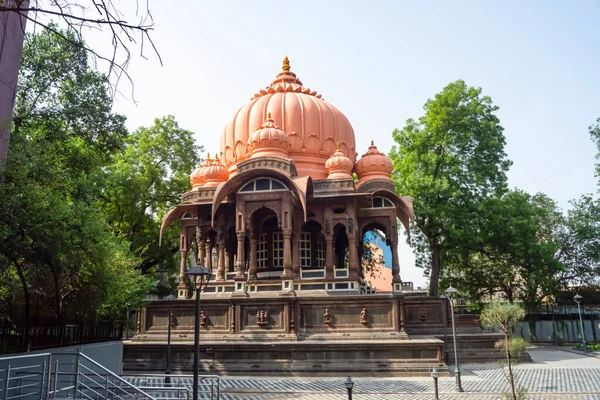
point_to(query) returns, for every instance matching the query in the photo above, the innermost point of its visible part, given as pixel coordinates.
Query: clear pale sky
(378, 62)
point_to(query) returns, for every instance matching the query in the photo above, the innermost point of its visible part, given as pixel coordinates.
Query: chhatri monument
(278, 217)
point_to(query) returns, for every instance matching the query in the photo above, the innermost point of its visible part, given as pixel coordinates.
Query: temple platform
(316, 333)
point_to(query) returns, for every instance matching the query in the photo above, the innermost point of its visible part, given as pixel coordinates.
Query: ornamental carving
(327, 317)
(328, 227)
(363, 316)
(262, 318)
(350, 225)
(423, 314)
(375, 185)
(202, 319)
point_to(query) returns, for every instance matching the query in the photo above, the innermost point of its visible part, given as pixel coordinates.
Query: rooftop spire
(286, 64)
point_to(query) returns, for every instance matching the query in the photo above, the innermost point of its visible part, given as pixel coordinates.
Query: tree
(515, 250)
(55, 243)
(449, 161)
(14, 14)
(144, 182)
(504, 317)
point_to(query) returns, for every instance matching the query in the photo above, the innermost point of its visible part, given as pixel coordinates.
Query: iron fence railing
(49, 376)
(17, 340)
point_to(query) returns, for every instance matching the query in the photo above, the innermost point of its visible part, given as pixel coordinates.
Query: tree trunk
(434, 246)
(57, 296)
(27, 305)
(12, 30)
(511, 377)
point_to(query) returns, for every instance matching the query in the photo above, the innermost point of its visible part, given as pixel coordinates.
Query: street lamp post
(445, 316)
(578, 299)
(451, 292)
(197, 272)
(169, 298)
(554, 330)
(349, 385)
(435, 375)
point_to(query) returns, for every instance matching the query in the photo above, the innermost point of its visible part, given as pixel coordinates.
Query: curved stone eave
(301, 186)
(404, 207)
(173, 215)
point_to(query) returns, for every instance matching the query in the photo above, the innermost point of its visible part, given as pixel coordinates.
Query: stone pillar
(352, 257)
(241, 237)
(329, 257)
(200, 247)
(221, 262)
(208, 255)
(287, 255)
(182, 288)
(396, 281)
(296, 255)
(253, 267)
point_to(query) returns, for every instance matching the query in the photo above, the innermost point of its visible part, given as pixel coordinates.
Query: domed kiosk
(279, 219)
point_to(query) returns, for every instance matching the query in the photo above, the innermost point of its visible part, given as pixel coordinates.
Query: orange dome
(373, 165)
(339, 166)
(269, 140)
(214, 172)
(313, 125)
(197, 178)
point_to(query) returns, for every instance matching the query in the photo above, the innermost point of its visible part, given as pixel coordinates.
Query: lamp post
(554, 330)
(445, 316)
(197, 272)
(435, 375)
(169, 298)
(451, 292)
(126, 320)
(578, 299)
(349, 385)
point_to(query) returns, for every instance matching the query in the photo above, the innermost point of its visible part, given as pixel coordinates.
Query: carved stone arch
(252, 208)
(380, 223)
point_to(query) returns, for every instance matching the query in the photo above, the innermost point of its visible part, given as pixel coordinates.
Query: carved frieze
(364, 319)
(375, 185)
(283, 165)
(200, 195)
(327, 317)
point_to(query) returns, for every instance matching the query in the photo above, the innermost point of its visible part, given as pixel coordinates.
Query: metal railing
(209, 386)
(48, 376)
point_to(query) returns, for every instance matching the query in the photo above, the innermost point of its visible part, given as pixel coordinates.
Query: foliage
(504, 316)
(515, 252)
(589, 346)
(60, 260)
(449, 161)
(144, 182)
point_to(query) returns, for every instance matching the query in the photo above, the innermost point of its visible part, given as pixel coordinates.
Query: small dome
(269, 140)
(214, 172)
(197, 178)
(373, 165)
(338, 166)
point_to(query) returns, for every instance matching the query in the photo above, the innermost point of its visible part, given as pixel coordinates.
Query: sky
(378, 62)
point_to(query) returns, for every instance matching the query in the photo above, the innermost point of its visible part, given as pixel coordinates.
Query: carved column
(200, 246)
(182, 287)
(253, 267)
(240, 261)
(287, 255)
(329, 257)
(353, 257)
(296, 254)
(221, 261)
(395, 263)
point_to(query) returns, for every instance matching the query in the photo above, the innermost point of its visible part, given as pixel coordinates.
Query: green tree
(504, 317)
(55, 243)
(515, 251)
(449, 160)
(143, 183)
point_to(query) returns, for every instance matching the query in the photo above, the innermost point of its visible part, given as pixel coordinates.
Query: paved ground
(554, 374)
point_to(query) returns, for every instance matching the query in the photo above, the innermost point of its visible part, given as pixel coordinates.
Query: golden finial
(286, 64)
(208, 156)
(269, 115)
(337, 146)
(372, 143)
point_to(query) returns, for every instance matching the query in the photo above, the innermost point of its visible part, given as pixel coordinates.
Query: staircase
(49, 376)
